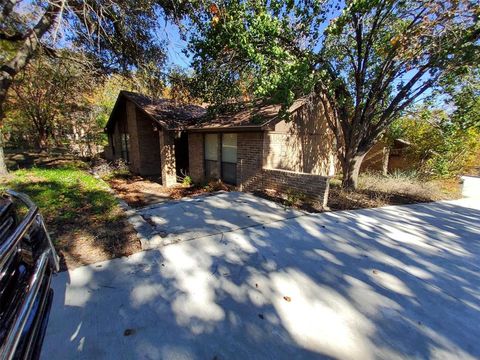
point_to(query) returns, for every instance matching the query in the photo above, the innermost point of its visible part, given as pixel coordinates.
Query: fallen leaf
(287, 298)
(128, 332)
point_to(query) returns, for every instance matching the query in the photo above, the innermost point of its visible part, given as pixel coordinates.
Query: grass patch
(84, 219)
(65, 192)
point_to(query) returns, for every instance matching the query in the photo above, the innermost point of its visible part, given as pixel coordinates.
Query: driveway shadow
(393, 282)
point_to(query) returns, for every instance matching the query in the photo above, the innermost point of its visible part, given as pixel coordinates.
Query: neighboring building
(388, 158)
(254, 148)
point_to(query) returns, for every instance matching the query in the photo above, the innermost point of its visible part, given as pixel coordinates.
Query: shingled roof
(169, 114)
(173, 116)
(249, 115)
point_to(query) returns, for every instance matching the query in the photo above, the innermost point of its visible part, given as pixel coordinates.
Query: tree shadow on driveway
(394, 282)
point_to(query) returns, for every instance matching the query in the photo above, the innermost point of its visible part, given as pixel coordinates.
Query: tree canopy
(116, 35)
(366, 61)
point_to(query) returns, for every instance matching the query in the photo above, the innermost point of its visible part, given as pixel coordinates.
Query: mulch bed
(138, 191)
(93, 242)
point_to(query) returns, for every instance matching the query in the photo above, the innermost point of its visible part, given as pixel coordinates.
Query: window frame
(222, 171)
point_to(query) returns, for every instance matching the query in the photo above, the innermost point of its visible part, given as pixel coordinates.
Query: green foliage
(49, 103)
(440, 147)
(61, 193)
(293, 197)
(187, 181)
(366, 61)
(463, 92)
(252, 40)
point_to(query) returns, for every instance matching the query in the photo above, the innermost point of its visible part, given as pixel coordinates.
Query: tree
(119, 34)
(441, 146)
(463, 93)
(50, 94)
(366, 61)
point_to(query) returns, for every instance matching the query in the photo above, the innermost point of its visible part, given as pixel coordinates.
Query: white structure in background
(471, 186)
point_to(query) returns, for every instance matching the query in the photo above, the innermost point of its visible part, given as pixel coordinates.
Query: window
(211, 147)
(125, 138)
(229, 158)
(211, 156)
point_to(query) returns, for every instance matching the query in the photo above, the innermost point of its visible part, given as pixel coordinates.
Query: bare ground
(139, 191)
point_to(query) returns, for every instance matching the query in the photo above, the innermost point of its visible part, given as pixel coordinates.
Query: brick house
(253, 148)
(388, 157)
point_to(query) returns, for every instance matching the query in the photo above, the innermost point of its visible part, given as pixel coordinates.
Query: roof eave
(224, 128)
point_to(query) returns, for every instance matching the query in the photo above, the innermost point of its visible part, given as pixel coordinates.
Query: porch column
(167, 158)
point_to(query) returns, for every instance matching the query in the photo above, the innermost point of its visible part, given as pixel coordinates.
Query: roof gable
(165, 112)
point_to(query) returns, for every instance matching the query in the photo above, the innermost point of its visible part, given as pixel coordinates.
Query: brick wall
(148, 146)
(312, 186)
(376, 159)
(249, 159)
(133, 147)
(195, 154)
(251, 174)
(167, 155)
(114, 149)
(304, 143)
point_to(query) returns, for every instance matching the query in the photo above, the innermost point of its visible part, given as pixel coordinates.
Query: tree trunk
(23, 54)
(42, 141)
(3, 166)
(385, 160)
(351, 168)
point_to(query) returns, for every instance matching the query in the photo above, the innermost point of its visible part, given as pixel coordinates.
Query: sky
(175, 45)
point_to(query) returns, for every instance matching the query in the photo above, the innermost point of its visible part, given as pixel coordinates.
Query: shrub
(440, 149)
(187, 181)
(293, 197)
(106, 170)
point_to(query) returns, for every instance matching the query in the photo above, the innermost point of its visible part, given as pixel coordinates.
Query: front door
(181, 155)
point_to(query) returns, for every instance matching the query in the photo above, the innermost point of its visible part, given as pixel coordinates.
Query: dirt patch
(284, 200)
(94, 241)
(139, 191)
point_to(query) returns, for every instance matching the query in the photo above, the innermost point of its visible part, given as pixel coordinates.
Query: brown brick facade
(303, 144)
(249, 159)
(133, 148)
(311, 186)
(196, 155)
(148, 146)
(387, 158)
(251, 173)
(167, 155)
(287, 157)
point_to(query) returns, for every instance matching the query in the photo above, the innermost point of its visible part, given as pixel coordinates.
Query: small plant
(107, 170)
(187, 181)
(293, 197)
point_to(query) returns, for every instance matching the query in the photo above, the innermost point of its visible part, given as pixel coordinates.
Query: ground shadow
(395, 282)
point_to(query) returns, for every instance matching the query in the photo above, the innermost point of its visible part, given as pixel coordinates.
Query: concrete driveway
(191, 218)
(387, 283)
